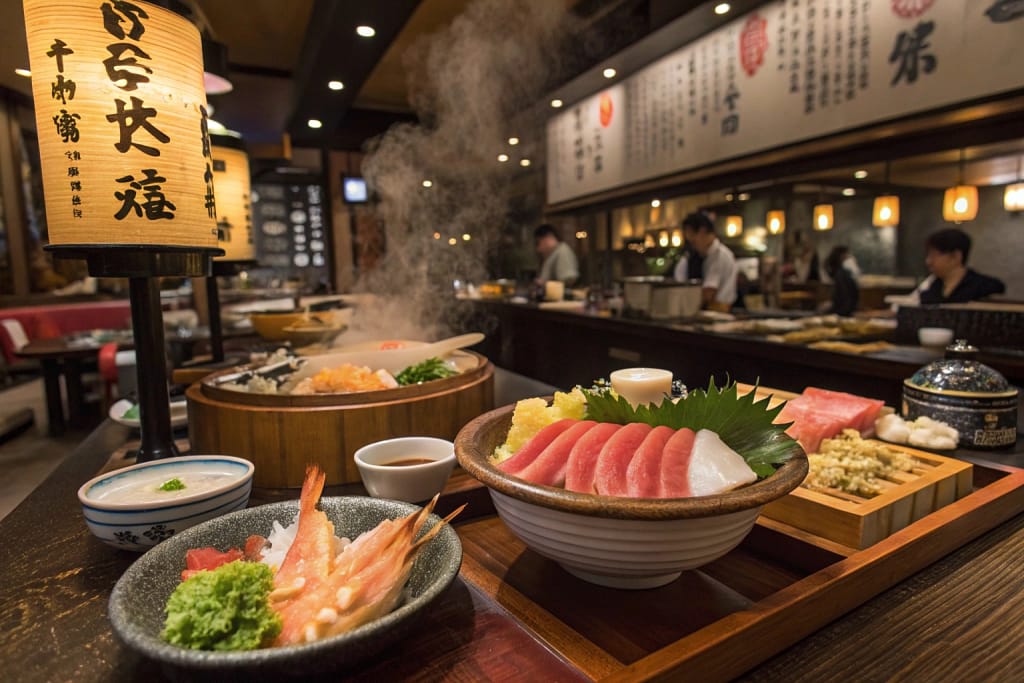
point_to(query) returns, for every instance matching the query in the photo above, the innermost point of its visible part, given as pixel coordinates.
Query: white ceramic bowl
(935, 336)
(411, 483)
(139, 526)
(179, 413)
(618, 542)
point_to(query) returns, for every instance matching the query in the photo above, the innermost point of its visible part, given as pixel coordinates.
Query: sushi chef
(558, 261)
(719, 267)
(951, 281)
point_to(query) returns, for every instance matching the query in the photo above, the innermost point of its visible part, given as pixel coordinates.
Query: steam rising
(471, 85)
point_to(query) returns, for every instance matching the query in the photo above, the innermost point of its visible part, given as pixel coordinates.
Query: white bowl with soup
(411, 468)
(137, 507)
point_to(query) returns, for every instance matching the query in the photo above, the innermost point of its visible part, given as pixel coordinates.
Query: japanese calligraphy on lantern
(121, 119)
(788, 71)
(230, 169)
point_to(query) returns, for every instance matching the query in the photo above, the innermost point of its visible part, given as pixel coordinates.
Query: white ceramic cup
(935, 336)
(410, 483)
(554, 290)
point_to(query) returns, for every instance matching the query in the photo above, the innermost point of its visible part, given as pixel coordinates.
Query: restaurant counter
(567, 348)
(961, 618)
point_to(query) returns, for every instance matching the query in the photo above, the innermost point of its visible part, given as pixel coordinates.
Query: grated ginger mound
(534, 414)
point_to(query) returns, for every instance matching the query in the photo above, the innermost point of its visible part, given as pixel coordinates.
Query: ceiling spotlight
(655, 203)
(366, 31)
(849, 191)
(609, 73)
(28, 74)
(452, 241)
(466, 237)
(513, 141)
(722, 8)
(556, 103)
(524, 162)
(315, 123)
(428, 183)
(728, 196)
(437, 235)
(335, 85)
(744, 196)
(502, 158)
(860, 175)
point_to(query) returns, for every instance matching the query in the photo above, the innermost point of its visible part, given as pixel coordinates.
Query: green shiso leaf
(744, 424)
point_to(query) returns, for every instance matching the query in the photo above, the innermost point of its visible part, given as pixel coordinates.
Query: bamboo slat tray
(860, 521)
(712, 624)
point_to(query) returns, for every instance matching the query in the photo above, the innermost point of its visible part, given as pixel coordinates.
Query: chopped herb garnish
(427, 371)
(172, 485)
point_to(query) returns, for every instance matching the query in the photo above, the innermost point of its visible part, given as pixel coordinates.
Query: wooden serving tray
(712, 624)
(860, 521)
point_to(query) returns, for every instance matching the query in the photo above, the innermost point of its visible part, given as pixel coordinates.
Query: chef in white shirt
(719, 271)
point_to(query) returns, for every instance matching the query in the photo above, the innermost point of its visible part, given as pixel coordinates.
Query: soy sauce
(406, 462)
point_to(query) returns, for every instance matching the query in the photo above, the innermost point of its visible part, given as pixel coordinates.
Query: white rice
(280, 540)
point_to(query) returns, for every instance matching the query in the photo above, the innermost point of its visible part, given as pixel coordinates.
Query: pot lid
(958, 372)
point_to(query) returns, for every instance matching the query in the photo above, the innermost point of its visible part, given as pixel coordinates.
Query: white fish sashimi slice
(716, 468)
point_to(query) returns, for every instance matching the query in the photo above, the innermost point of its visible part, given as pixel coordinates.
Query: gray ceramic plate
(137, 602)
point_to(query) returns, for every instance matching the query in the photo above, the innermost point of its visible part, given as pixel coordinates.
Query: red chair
(108, 373)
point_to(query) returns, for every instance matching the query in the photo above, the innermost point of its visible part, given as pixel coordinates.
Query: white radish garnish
(714, 467)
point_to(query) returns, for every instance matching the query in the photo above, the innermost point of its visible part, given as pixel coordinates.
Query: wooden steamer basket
(281, 434)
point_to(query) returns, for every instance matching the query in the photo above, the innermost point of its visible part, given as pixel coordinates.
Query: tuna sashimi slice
(811, 426)
(579, 472)
(675, 463)
(535, 446)
(716, 468)
(643, 476)
(612, 464)
(548, 469)
(863, 411)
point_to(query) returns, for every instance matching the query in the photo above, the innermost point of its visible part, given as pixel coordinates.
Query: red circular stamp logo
(605, 110)
(910, 9)
(753, 43)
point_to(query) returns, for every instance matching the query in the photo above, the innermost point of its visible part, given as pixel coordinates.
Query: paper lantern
(776, 222)
(824, 217)
(234, 209)
(1013, 198)
(121, 120)
(960, 203)
(663, 238)
(733, 226)
(886, 213)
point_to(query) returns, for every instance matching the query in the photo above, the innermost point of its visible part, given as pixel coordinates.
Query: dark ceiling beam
(332, 50)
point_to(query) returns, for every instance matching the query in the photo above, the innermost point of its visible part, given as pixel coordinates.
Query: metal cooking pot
(970, 396)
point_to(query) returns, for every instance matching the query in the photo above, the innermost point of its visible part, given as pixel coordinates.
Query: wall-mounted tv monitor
(354, 190)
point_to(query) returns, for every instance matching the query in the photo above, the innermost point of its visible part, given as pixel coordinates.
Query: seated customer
(720, 271)
(951, 280)
(844, 286)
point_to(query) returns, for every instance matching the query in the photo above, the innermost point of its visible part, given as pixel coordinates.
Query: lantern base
(142, 265)
(140, 260)
(220, 269)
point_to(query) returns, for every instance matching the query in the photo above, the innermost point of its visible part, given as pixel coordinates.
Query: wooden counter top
(960, 619)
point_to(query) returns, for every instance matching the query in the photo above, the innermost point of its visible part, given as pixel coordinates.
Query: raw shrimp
(319, 594)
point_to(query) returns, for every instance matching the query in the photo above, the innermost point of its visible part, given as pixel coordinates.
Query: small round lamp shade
(1013, 197)
(733, 226)
(886, 212)
(824, 218)
(121, 119)
(960, 203)
(234, 209)
(776, 222)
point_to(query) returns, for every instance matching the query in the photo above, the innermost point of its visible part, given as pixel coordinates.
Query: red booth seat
(44, 322)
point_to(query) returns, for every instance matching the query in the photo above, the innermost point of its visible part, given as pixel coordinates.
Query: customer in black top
(844, 287)
(952, 281)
